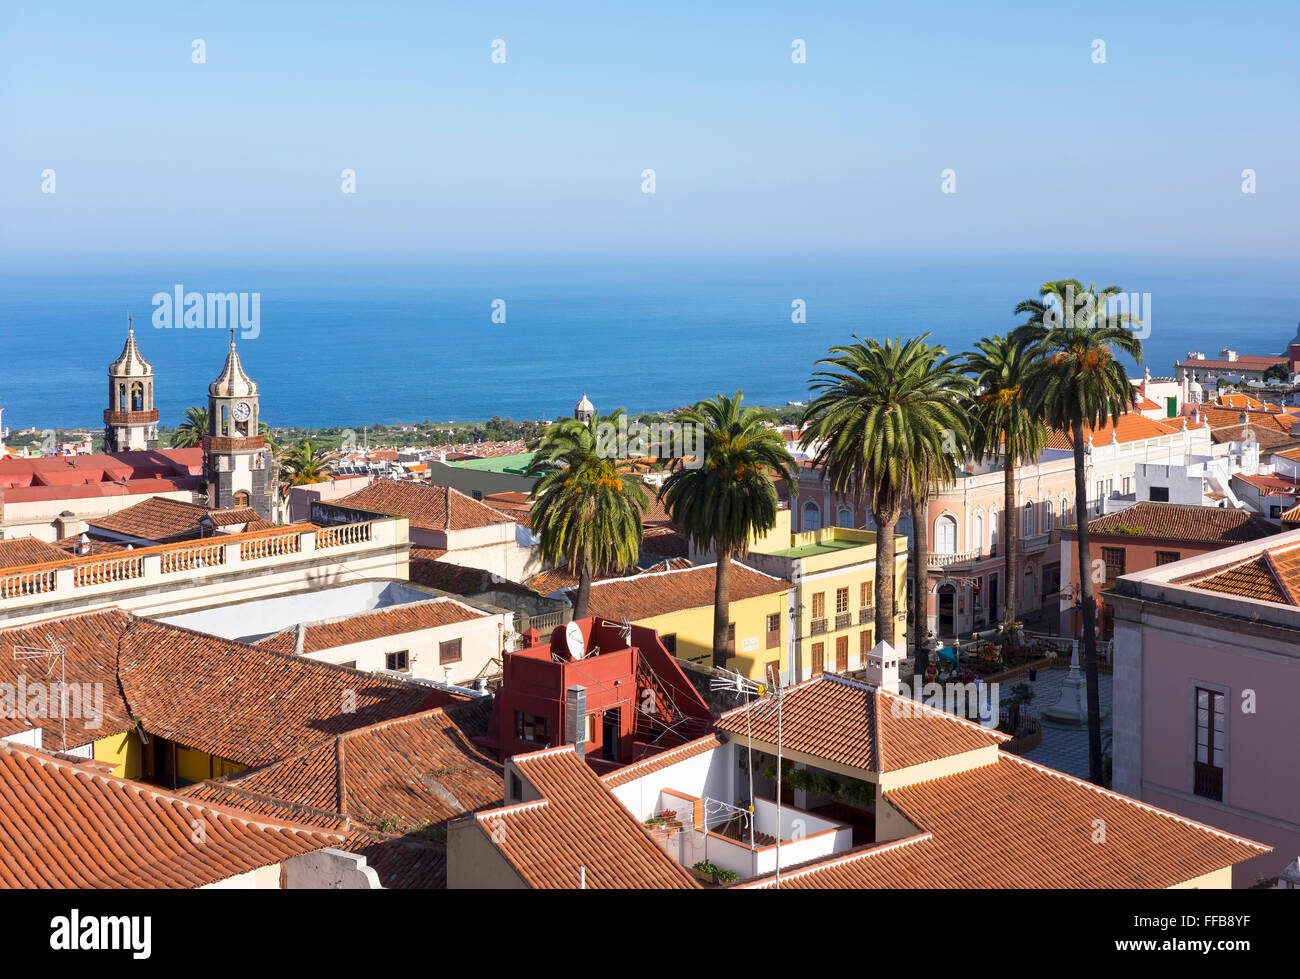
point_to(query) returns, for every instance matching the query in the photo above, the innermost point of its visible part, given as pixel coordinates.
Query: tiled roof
(561, 579)
(16, 552)
(236, 701)
(1266, 437)
(66, 825)
(1131, 427)
(244, 703)
(426, 507)
(374, 624)
(639, 769)
(1184, 522)
(855, 724)
(1250, 362)
(162, 521)
(1272, 485)
(414, 769)
(1291, 454)
(427, 570)
(576, 824)
(1271, 576)
(1292, 515)
(658, 593)
(1259, 420)
(1017, 825)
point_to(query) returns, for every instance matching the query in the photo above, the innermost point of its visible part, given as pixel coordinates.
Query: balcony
(818, 627)
(867, 616)
(1208, 781)
(843, 620)
(935, 562)
(1035, 543)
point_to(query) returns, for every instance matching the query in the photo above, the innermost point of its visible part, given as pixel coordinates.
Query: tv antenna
(49, 654)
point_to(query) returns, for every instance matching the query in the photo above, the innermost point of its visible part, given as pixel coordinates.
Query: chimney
(575, 719)
(299, 638)
(882, 667)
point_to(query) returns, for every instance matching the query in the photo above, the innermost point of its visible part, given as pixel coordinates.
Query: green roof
(515, 465)
(823, 547)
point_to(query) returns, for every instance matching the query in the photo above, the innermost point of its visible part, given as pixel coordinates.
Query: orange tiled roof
(1258, 420)
(426, 507)
(1250, 362)
(375, 624)
(576, 824)
(66, 825)
(1292, 515)
(1184, 522)
(561, 579)
(1017, 825)
(16, 552)
(636, 770)
(1131, 427)
(1271, 576)
(163, 521)
(644, 596)
(1272, 485)
(854, 724)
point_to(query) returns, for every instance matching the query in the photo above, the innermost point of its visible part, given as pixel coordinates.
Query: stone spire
(232, 382)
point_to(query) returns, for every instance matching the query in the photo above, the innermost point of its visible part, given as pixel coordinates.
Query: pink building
(1207, 679)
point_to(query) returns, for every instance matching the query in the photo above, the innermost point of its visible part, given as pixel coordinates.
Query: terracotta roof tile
(1017, 825)
(562, 579)
(426, 507)
(658, 593)
(65, 825)
(374, 624)
(577, 824)
(1131, 427)
(1271, 576)
(859, 725)
(427, 570)
(16, 552)
(630, 773)
(1184, 522)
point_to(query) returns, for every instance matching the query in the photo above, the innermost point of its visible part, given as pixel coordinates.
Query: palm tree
(301, 466)
(587, 503)
(1005, 430)
(886, 425)
(190, 432)
(727, 497)
(1076, 381)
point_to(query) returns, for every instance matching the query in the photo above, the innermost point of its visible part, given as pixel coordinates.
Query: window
(1275, 511)
(1208, 770)
(1166, 557)
(844, 516)
(1159, 494)
(1048, 521)
(812, 516)
(1028, 520)
(773, 630)
(241, 498)
(841, 601)
(530, 727)
(867, 595)
(1128, 485)
(994, 533)
(977, 543)
(516, 788)
(864, 645)
(1051, 579)
(945, 535)
(818, 657)
(670, 642)
(590, 736)
(449, 651)
(819, 605)
(399, 662)
(1114, 558)
(731, 639)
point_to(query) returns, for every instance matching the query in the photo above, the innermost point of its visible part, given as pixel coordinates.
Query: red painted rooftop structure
(609, 688)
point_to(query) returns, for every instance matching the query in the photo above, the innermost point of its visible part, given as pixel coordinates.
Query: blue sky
(241, 156)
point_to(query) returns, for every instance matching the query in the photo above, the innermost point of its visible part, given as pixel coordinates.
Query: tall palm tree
(728, 497)
(587, 503)
(886, 425)
(190, 432)
(301, 466)
(1076, 382)
(1005, 430)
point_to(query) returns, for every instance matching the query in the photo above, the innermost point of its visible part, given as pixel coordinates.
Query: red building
(610, 689)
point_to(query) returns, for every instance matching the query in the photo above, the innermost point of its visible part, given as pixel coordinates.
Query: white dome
(232, 381)
(131, 363)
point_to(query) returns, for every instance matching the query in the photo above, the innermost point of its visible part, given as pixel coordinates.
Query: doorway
(609, 735)
(947, 611)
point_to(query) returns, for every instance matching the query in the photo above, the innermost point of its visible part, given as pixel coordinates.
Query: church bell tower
(236, 460)
(130, 420)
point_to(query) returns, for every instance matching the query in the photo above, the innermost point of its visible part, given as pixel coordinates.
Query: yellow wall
(694, 630)
(123, 751)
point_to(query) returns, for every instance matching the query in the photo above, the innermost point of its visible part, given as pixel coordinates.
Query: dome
(232, 382)
(584, 405)
(131, 363)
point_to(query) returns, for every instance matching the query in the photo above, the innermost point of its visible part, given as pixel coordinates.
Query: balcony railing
(866, 616)
(818, 626)
(934, 561)
(1035, 543)
(1208, 781)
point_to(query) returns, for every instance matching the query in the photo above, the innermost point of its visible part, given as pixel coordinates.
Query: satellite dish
(573, 637)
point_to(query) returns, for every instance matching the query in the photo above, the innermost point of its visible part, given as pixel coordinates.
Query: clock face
(242, 411)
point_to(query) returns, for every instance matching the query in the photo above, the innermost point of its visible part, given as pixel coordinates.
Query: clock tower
(130, 420)
(236, 460)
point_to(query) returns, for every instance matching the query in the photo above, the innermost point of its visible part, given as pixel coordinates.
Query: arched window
(844, 516)
(977, 541)
(945, 535)
(995, 531)
(225, 420)
(137, 396)
(241, 498)
(1066, 517)
(812, 516)
(1048, 522)
(121, 397)
(1027, 527)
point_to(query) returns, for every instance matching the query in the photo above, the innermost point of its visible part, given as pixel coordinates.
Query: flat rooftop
(515, 465)
(819, 547)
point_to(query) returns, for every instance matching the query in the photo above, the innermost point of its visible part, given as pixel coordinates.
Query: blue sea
(404, 342)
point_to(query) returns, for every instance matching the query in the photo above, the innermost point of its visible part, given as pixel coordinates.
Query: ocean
(405, 342)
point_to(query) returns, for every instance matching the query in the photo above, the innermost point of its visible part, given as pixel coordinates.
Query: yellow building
(679, 606)
(832, 614)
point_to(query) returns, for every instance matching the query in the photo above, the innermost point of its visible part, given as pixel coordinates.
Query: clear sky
(155, 155)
